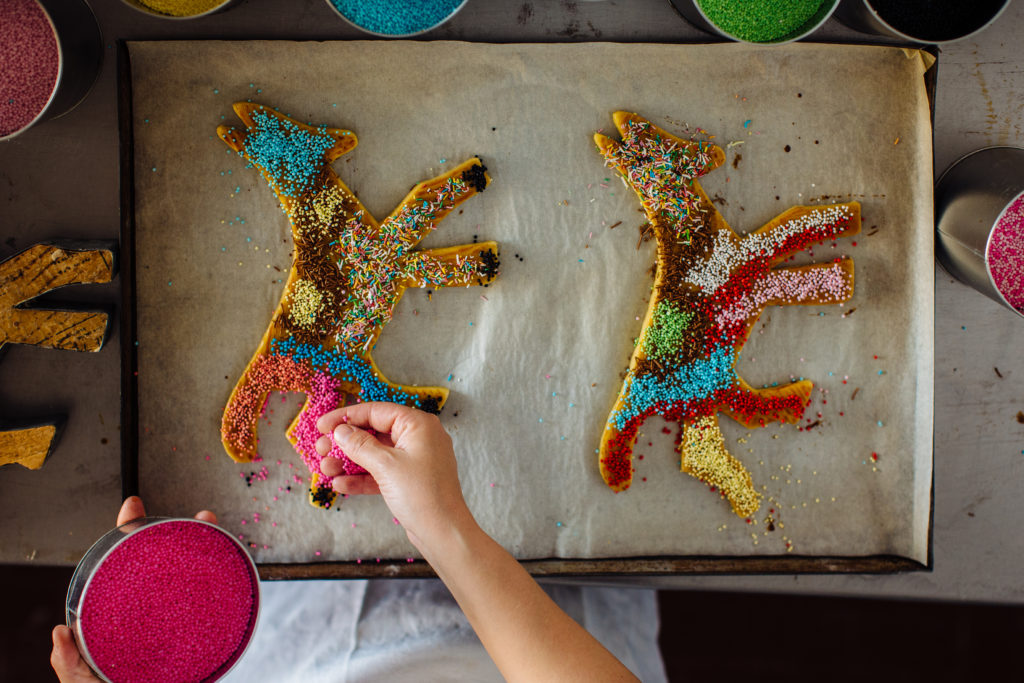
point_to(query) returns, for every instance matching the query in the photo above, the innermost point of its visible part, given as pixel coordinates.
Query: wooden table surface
(60, 180)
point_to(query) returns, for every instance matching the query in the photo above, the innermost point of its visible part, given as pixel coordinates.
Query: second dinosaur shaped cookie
(710, 286)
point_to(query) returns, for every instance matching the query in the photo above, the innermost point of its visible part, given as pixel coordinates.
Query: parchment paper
(535, 368)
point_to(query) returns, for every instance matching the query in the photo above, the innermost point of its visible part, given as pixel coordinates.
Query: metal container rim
(56, 81)
(785, 40)
(970, 154)
(988, 245)
(148, 522)
(923, 41)
(353, 24)
(138, 7)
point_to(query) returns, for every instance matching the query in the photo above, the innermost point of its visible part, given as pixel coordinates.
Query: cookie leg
(265, 373)
(430, 201)
(791, 230)
(703, 455)
(615, 456)
(757, 407)
(462, 266)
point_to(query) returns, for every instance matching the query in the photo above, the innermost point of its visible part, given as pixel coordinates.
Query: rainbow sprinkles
(710, 287)
(347, 276)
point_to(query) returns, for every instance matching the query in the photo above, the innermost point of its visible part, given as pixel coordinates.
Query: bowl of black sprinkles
(921, 21)
(396, 18)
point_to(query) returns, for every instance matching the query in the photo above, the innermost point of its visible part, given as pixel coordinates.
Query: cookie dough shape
(710, 287)
(35, 271)
(348, 273)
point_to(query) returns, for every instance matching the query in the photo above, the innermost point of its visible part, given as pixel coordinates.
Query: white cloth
(400, 630)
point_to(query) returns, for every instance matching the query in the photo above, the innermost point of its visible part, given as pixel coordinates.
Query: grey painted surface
(61, 181)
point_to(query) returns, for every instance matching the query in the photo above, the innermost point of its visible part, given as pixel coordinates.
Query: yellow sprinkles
(705, 457)
(181, 8)
(326, 211)
(305, 303)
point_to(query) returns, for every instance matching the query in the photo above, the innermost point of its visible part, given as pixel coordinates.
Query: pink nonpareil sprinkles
(323, 392)
(28, 63)
(349, 466)
(1005, 254)
(175, 601)
(825, 283)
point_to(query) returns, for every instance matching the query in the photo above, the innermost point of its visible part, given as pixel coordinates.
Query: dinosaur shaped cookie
(710, 286)
(348, 274)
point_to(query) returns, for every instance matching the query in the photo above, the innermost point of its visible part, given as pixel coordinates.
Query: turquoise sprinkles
(290, 155)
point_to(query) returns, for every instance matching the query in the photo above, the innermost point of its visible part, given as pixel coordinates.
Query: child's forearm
(526, 634)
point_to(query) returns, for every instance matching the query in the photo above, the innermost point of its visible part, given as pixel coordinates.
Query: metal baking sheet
(535, 366)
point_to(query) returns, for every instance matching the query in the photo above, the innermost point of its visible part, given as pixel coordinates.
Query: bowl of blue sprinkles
(396, 18)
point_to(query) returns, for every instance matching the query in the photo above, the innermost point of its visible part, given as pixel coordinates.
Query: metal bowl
(102, 549)
(970, 198)
(145, 9)
(351, 22)
(861, 16)
(692, 12)
(79, 57)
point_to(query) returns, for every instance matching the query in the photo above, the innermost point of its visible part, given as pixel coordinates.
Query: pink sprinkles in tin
(1005, 254)
(175, 601)
(29, 60)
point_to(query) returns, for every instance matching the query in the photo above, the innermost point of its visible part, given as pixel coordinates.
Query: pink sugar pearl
(1005, 254)
(349, 465)
(28, 63)
(175, 601)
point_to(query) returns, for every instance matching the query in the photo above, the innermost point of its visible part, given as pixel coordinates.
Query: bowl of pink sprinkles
(29, 64)
(50, 55)
(1004, 254)
(164, 599)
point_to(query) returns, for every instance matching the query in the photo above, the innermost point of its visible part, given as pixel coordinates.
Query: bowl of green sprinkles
(396, 18)
(761, 22)
(178, 9)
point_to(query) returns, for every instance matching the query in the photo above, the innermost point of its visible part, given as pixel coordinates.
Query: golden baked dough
(42, 268)
(27, 446)
(39, 269)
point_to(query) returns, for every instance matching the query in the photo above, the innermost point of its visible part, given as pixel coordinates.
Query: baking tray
(401, 567)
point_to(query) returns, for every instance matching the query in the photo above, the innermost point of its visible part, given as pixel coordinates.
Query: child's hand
(411, 463)
(65, 659)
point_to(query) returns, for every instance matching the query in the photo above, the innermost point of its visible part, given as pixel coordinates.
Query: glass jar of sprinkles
(179, 9)
(50, 55)
(163, 599)
(760, 22)
(979, 219)
(396, 18)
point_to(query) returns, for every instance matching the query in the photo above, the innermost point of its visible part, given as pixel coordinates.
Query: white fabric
(412, 630)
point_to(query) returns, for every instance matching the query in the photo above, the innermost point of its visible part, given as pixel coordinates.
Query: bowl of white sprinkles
(396, 18)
